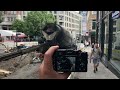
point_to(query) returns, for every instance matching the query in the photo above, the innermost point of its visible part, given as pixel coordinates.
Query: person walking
(95, 56)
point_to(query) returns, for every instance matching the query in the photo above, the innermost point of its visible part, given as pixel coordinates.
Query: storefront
(109, 36)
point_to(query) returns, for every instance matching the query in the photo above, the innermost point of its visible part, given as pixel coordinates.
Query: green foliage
(33, 23)
(19, 26)
(0, 16)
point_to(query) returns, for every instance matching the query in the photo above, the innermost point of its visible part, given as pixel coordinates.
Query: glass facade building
(108, 37)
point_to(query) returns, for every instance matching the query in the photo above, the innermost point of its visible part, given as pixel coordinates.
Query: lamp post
(16, 38)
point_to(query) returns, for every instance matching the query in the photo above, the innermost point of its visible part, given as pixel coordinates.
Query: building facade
(108, 36)
(9, 16)
(84, 30)
(91, 25)
(70, 20)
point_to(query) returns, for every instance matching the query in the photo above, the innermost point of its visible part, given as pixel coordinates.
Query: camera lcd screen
(66, 64)
(70, 61)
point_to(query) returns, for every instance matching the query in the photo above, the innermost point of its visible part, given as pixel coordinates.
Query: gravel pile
(16, 64)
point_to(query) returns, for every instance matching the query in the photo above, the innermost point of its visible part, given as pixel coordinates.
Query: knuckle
(47, 54)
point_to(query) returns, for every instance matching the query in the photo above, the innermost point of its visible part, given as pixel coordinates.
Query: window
(72, 25)
(114, 22)
(69, 13)
(67, 18)
(94, 12)
(4, 12)
(61, 17)
(61, 23)
(70, 20)
(114, 29)
(11, 18)
(67, 24)
(8, 19)
(55, 17)
(93, 24)
(55, 12)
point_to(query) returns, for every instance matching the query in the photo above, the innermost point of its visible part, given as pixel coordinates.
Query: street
(30, 71)
(102, 73)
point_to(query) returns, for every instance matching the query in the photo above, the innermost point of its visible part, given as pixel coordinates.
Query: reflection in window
(116, 45)
(93, 24)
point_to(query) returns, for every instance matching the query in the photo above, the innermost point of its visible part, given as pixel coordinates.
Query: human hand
(46, 68)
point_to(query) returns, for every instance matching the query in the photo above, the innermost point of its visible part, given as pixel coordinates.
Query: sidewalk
(102, 73)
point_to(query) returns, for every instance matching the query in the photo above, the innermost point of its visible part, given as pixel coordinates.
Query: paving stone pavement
(102, 73)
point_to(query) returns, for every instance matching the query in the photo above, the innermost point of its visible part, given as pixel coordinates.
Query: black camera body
(67, 60)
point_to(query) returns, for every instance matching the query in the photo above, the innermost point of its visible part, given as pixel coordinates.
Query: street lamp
(16, 39)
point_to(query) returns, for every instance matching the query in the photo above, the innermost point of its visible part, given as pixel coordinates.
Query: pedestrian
(95, 54)
(92, 45)
(0, 38)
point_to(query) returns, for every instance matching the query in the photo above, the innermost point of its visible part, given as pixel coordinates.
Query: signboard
(116, 14)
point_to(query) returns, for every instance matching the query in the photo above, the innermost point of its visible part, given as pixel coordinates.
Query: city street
(20, 30)
(103, 72)
(32, 71)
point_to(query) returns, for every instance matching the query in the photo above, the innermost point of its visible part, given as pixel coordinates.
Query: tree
(36, 20)
(19, 25)
(33, 23)
(0, 16)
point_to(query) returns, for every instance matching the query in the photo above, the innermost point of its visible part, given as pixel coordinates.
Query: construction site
(21, 67)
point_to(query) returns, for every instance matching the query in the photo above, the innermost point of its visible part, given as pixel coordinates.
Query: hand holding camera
(68, 60)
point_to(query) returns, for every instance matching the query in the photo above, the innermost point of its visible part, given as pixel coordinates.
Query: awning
(11, 33)
(7, 33)
(22, 35)
(5, 23)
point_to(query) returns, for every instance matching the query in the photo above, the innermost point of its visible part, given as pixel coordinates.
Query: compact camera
(67, 60)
